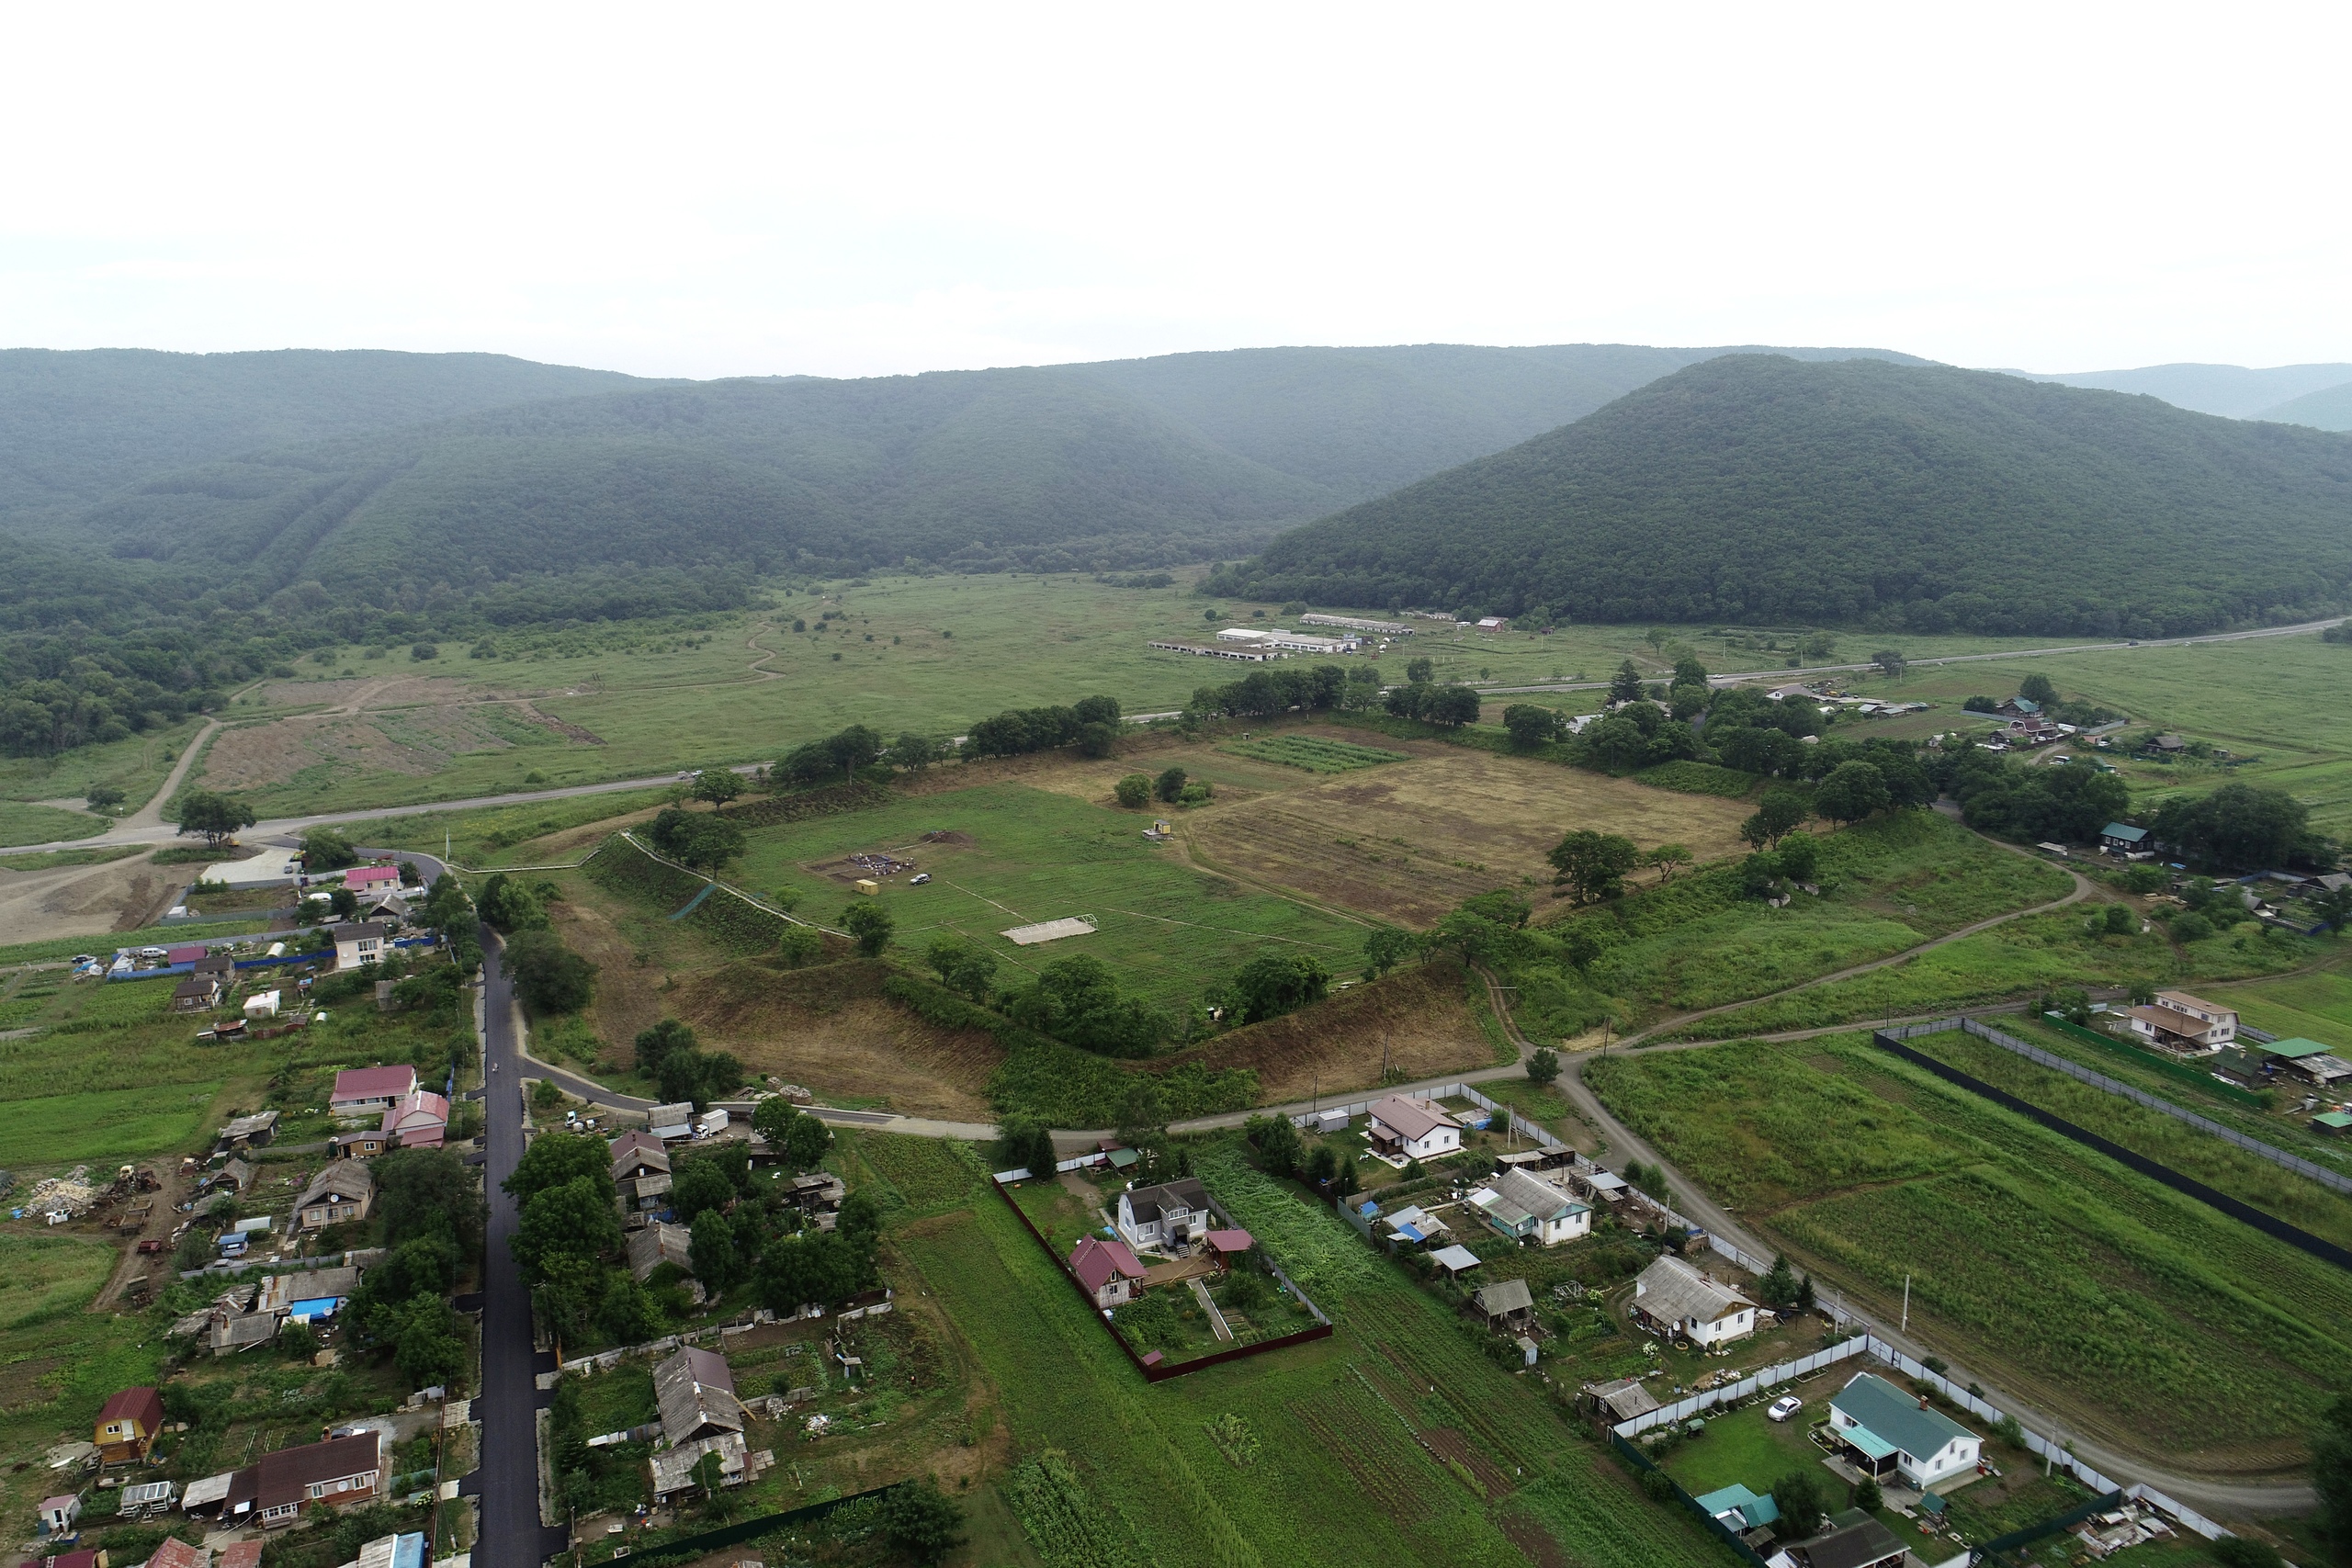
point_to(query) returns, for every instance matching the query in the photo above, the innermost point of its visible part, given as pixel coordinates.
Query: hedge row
(830, 800)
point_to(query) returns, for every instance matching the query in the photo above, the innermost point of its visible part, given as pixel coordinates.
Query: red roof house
(127, 1426)
(370, 1089)
(241, 1554)
(360, 878)
(1109, 1270)
(418, 1120)
(177, 1553)
(339, 1470)
(188, 955)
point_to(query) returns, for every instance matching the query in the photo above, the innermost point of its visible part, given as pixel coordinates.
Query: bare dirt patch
(1417, 1020)
(21, 1381)
(85, 900)
(417, 742)
(829, 1028)
(1407, 841)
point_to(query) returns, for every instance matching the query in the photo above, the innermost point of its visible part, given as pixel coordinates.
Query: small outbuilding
(1505, 1304)
(1109, 1271)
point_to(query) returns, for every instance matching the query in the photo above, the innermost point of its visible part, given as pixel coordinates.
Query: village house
(1679, 1301)
(2122, 839)
(367, 878)
(1525, 1209)
(128, 1425)
(370, 1091)
(1621, 1399)
(1888, 1431)
(198, 993)
(342, 1193)
(637, 1154)
(308, 1294)
(2179, 1022)
(358, 942)
(1412, 1129)
(1168, 1215)
(234, 1175)
(177, 1553)
(419, 1119)
(332, 1473)
(695, 1391)
(1109, 1270)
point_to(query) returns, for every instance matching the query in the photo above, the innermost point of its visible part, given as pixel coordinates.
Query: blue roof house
(1886, 1430)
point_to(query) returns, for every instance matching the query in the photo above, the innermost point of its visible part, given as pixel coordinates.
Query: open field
(2037, 953)
(2132, 1311)
(1406, 842)
(1315, 753)
(137, 765)
(1236, 1465)
(1020, 855)
(640, 698)
(2315, 1005)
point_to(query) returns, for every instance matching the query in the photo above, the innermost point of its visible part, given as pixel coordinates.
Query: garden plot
(1406, 842)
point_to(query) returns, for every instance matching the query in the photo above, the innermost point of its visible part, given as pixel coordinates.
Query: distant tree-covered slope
(2234, 390)
(75, 427)
(1759, 488)
(2329, 408)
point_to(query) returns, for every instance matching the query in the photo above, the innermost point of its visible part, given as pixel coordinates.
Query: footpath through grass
(2137, 1312)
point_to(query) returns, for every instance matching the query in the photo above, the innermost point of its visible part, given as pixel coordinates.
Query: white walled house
(1153, 1218)
(1888, 1431)
(1677, 1299)
(1412, 1129)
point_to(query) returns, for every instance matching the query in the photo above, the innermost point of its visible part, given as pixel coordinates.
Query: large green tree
(1593, 865)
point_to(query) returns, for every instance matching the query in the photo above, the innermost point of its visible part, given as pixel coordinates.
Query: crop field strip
(2134, 1310)
(1314, 753)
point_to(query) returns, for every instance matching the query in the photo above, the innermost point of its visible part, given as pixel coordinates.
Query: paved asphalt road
(512, 1536)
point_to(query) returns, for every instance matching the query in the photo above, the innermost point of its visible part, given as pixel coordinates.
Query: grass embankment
(2134, 1312)
(1700, 941)
(2038, 954)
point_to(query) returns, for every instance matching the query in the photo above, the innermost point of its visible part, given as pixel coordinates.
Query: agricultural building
(1621, 1400)
(696, 1393)
(342, 1193)
(1505, 1304)
(1737, 1509)
(672, 1123)
(2179, 1022)
(1109, 1270)
(655, 1244)
(249, 1131)
(1356, 624)
(1050, 931)
(1412, 1129)
(1245, 653)
(2306, 1060)
(128, 1425)
(369, 1091)
(1518, 1206)
(1165, 1216)
(1887, 1431)
(1679, 1301)
(1455, 1260)
(867, 887)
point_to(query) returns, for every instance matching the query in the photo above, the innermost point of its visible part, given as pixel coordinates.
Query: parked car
(153, 1245)
(1784, 1407)
(920, 878)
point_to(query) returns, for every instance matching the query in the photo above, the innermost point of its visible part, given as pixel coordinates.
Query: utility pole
(1906, 1304)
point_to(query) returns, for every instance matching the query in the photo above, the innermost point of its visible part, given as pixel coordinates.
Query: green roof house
(1887, 1430)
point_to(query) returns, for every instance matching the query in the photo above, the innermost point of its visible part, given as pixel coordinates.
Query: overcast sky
(717, 190)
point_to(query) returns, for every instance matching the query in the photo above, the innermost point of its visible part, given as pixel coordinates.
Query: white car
(1784, 1407)
(920, 878)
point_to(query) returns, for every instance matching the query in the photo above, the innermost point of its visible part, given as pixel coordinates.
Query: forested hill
(75, 427)
(1758, 488)
(1135, 463)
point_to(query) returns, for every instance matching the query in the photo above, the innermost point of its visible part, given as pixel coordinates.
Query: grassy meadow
(638, 699)
(1168, 930)
(2133, 1311)
(137, 765)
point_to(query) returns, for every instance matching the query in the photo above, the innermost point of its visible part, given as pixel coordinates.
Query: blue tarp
(317, 1306)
